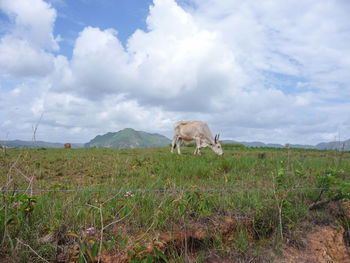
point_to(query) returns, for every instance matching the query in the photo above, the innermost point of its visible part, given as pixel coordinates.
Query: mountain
(36, 144)
(334, 145)
(128, 138)
(255, 144)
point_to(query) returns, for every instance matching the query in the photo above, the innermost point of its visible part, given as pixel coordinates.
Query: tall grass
(151, 191)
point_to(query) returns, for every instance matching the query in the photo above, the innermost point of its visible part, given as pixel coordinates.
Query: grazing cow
(197, 131)
(67, 145)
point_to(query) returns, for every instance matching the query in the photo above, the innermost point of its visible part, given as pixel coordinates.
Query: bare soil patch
(325, 245)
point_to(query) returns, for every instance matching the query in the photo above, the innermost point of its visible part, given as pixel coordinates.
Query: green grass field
(243, 205)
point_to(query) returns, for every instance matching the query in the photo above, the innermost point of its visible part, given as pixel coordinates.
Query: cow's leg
(179, 141)
(198, 146)
(196, 150)
(173, 144)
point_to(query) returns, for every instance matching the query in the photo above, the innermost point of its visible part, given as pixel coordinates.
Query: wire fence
(177, 190)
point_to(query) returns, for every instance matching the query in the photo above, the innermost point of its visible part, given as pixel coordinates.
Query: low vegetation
(147, 205)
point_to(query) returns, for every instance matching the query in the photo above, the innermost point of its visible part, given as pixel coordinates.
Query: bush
(232, 146)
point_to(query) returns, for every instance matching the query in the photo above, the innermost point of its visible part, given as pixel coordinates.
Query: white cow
(197, 131)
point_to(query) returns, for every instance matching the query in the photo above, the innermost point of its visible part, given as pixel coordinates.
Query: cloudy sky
(271, 71)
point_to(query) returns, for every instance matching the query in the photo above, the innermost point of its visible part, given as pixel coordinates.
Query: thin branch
(319, 203)
(102, 228)
(279, 206)
(117, 221)
(325, 201)
(30, 185)
(21, 173)
(161, 203)
(8, 182)
(32, 250)
(36, 127)
(3, 145)
(92, 206)
(113, 197)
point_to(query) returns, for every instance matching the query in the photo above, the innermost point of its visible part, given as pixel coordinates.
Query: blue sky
(271, 71)
(123, 15)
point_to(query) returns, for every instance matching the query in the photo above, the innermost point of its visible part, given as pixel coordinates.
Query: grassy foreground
(147, 205)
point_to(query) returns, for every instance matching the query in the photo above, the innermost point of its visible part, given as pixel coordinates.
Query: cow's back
(191, 129)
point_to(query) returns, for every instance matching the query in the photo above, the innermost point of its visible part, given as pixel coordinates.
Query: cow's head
(216, 147)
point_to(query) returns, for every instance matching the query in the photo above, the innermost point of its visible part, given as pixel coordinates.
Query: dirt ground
(325, 245)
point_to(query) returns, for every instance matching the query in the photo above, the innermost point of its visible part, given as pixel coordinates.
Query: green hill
(128, 138)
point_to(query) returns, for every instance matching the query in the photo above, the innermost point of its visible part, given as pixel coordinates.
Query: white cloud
(19, 58)
(99, 63)
(272, 71)
(69, 114)
(306, 39)
(175, 59)
(24, 47)
(33, 21)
